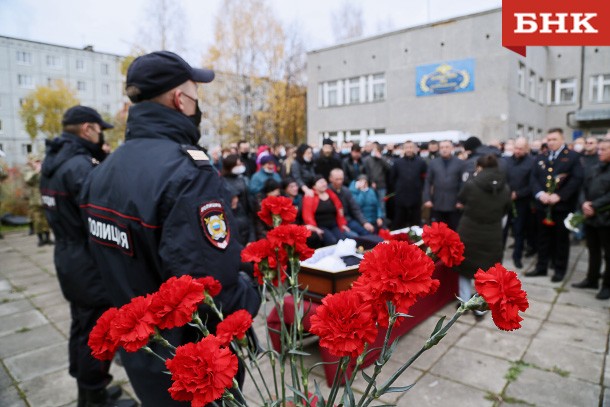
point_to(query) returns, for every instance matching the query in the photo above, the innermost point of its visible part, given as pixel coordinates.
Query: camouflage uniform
(35, 210)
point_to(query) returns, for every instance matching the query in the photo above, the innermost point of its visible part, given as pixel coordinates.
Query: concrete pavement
(559, 358)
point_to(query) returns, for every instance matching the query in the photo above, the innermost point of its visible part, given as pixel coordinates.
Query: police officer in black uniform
(69, 159)
(556, 179)
(168, 209)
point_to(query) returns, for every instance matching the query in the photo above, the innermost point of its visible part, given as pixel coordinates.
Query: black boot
(40, 240)
(47, 238)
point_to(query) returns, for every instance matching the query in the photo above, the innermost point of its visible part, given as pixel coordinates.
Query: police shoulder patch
(214, 224)
(199, 157)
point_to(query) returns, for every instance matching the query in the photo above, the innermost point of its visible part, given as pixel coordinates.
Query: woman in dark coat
(485, 199)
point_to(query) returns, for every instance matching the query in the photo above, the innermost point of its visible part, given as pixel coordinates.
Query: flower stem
(159, 339)
(432, 341)
(148, 350)
(337, 380)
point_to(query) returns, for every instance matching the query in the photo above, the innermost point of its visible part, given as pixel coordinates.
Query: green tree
(248, 48)
(44, 107)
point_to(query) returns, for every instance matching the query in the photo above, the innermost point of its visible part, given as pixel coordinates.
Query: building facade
(94, 76)
(455, 75)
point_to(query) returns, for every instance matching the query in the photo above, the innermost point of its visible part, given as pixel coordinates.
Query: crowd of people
(482, 191)
(161, 207)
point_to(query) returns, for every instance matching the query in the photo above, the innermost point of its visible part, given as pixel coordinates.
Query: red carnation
(103, 345)
(210, 285)
(502, 291)
(398, 272)
(234, 326)
(445, 243)
(292, 235)
(257, 251)
(134, 324)
(386, 235)
(344, 323)
(264, 256)
(281, 207)
(176, 301)
(201, 371)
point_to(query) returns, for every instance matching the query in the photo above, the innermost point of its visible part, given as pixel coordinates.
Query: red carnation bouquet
(393, 277)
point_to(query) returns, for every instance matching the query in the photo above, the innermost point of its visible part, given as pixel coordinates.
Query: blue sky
(113, 25)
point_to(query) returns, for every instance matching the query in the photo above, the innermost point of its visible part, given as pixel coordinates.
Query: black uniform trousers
(406, 215)
(89, 372)
(553, 243)
(452, 218)
(598, 239)
(519, 225)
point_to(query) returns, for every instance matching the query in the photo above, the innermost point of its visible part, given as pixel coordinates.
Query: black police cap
(156, 73)
(83, 114)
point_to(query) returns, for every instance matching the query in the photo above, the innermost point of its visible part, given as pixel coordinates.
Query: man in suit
(596, 193)
(442, 186)
(518, 174)
(556, 180)
(408, 175)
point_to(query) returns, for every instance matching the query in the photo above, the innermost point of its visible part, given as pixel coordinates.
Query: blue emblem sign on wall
(445, 77)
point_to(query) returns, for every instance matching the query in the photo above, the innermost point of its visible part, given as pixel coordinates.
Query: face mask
(240, 169)
(282, 152)
(345, 151)
(508, 154)
(578, 148)
(534, 152)
(196, 118)
(268, 171)
(307, 160)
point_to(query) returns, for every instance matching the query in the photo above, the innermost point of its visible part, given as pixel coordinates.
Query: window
(378, 87)
(562, 91)
(530, 133)
(53, 61)
(541, 91)
(521, 78)
(80, 65)
(532, 85)
(26, 148)
(25, 81)
(520, 130)
(353, 90)
(331, 93)
(104, 69)
(81, 86)
(49, 82)
(0, 126)
(106, 107)
(320, 95)
(599, 88)
(24, 58)
(21, 101)
(105, 89)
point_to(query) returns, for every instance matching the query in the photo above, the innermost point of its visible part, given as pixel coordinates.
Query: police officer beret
(84, 114)
(156, 73)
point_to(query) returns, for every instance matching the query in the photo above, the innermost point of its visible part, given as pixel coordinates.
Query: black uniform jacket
(518, 174)
(67, 163)
(158, 209)
(564, 173)
(597, 190)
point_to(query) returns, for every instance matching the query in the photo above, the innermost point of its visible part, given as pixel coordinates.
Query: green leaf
(297, 391)
(400, 314)
(398, 389)
(439, 325)
(298, 352)
(321, 401)
(367, 378)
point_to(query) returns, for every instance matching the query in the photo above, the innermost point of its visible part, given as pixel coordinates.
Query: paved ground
(559, 358)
